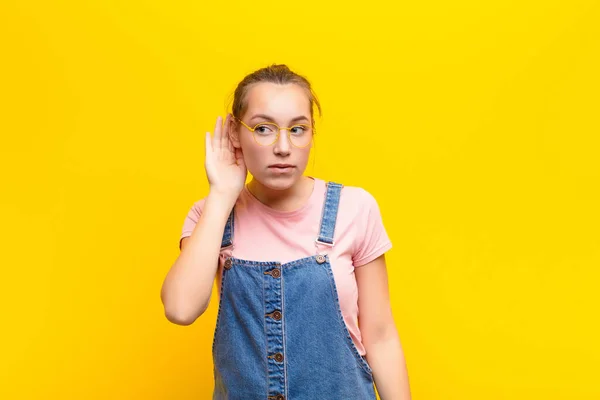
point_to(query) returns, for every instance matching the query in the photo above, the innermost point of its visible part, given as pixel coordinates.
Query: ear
(234, 133)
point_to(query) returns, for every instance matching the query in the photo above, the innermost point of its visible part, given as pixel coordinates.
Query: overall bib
(280, 334)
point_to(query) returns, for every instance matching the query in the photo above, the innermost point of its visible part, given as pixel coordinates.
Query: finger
(231, 147)
(227, 134)
(217, 138)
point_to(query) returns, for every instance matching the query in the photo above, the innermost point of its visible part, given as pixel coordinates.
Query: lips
(281, 169)
(281, 166)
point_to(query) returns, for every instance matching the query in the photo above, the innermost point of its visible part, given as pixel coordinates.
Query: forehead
(278, 101)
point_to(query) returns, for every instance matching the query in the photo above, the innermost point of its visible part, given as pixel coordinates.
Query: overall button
(320, 259)
(278, 397)
(227, 263)
(277, 356)
(275, 273)
(276, 315)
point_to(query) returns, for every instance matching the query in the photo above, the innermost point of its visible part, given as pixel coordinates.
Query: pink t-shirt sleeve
(191, 219)
(371, 239)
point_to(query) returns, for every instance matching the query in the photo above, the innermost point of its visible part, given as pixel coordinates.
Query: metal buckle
(325, 244)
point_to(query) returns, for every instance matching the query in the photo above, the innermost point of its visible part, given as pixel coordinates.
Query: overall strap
(329, 216)
(228, 232)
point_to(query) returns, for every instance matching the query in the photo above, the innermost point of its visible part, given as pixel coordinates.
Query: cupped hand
(225, 167)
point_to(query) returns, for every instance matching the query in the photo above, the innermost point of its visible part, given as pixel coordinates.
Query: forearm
(386, 358)
(188, 285)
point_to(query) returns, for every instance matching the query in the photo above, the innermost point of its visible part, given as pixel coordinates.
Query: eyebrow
(300, 118)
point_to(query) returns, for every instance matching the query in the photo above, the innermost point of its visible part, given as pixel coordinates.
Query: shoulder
(357, 197)
(197, 207)
(360, 210)
(360, 207)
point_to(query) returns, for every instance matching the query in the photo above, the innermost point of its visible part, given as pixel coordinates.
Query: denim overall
(280, 334)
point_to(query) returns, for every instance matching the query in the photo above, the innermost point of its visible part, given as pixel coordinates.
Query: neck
(289, 199)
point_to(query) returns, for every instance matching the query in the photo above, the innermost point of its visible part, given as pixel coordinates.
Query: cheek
(247, 143)
(305, 154)
(253, 153)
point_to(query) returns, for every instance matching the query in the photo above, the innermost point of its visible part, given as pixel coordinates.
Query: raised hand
(224, 164)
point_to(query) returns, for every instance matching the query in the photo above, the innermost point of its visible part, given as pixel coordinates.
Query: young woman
(296, 260)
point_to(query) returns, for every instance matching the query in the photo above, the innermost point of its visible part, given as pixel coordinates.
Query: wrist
(224, 201)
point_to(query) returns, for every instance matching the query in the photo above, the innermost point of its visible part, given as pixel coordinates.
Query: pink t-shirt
(262, 233)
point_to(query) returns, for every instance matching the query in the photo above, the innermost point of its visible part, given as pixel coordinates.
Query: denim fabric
(280, 333)
(228, 233)
(328, 219)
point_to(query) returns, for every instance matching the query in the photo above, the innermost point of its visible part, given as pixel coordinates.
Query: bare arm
(187, 287)
(380, 337)
(186, 290)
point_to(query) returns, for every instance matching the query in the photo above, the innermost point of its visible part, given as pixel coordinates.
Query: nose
(282, 145)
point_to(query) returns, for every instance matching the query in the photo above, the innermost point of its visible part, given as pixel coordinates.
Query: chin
(282, 182)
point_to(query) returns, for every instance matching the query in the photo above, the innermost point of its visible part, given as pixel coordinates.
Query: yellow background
(475, 124)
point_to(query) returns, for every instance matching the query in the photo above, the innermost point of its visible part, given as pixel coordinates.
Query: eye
(298, 129)
(265, 129)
